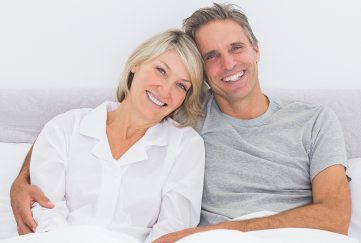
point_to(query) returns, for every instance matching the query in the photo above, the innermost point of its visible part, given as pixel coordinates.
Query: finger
(40, 198)
(26, 220)
(21, 227)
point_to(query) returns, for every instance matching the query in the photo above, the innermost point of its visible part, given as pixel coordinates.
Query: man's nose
(228, 61)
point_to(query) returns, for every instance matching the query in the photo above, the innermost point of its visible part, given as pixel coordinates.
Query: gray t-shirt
(266, 163)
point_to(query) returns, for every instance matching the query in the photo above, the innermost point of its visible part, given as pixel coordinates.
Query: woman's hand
(23, 195)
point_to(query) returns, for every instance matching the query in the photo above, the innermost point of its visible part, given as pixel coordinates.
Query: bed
(23, 112)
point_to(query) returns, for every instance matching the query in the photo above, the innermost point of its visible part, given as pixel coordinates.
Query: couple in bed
(134, 168)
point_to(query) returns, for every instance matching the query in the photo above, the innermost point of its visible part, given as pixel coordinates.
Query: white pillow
(11, 158)
(354, 171)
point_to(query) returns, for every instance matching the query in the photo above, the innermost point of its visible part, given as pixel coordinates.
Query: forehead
(219, 33)
(174, 62)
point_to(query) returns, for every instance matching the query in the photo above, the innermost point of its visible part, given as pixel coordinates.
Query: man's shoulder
(289, 107)
(295, 104)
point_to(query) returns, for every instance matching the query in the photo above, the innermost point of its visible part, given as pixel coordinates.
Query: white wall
(83, 43)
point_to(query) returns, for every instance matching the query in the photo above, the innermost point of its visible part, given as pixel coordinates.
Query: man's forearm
(315, 216)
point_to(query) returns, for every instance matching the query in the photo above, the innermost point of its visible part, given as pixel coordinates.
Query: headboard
(23, 112)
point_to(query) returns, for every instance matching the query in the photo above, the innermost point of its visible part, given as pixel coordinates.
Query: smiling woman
(126, 167)
(174, 59)
(159, 86)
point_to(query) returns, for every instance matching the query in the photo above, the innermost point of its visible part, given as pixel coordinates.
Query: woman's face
(159, 86)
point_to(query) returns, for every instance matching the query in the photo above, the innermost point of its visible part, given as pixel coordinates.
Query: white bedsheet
(74, 234)
(91, 234)
(285, 235)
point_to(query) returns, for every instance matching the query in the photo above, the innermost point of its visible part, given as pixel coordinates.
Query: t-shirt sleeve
(328, 145)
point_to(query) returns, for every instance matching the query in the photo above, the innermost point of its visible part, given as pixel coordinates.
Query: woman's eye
(182, 86)
(161, 70)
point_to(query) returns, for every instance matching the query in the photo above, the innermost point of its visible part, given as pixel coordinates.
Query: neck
(126, 123)
(249, 107)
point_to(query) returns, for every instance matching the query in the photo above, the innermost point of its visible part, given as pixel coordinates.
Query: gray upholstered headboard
(24, 111)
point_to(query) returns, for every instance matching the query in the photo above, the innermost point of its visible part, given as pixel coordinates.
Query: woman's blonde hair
(188, 113)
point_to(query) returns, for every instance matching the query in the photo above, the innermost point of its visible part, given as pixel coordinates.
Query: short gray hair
(218, 12)
(191, 109)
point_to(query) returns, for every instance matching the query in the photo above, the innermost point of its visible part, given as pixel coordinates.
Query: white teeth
(234, 77)
(154, 100)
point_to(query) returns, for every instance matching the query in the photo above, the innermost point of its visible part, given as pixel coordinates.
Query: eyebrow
(186, 80)
(166, 65)
(233, 44)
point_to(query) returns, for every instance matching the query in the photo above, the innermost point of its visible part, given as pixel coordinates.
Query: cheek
(250, 58)
(147, 77)
(211, 70)
(178, 98)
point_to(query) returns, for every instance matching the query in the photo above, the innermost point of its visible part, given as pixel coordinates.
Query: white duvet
(91, 234)
(74, 234)
(284, 235)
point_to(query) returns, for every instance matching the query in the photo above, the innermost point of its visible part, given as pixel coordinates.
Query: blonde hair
(188, 113)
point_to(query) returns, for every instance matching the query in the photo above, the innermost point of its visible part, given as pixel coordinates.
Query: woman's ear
(133, 68)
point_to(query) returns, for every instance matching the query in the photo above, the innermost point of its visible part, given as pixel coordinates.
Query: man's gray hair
(218, 12)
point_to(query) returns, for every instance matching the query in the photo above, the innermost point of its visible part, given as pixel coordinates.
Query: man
(262, 154)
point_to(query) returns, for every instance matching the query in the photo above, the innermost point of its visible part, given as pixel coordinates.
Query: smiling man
(283, 160)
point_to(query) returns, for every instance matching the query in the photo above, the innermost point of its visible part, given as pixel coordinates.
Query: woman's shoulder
(78, 114)
(70, 117)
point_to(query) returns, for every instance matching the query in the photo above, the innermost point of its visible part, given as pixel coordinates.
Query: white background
(83, 43)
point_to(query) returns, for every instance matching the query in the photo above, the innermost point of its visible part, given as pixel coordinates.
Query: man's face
(230, 60)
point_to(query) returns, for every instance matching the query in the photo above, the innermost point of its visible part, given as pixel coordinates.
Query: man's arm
(23, 195)
(330, 210)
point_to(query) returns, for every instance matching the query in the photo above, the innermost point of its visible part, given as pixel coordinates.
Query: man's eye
(210, 57)
(182, 86)
(161, 70)
(236, 48)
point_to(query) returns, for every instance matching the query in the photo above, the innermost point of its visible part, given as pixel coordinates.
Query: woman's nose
(165, 89)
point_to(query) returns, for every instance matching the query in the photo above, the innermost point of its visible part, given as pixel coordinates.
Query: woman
(127, 166)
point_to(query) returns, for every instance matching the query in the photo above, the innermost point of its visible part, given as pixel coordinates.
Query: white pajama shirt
(153, 189)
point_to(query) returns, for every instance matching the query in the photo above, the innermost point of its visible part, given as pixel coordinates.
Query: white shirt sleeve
(47, 171)
(182, 193)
